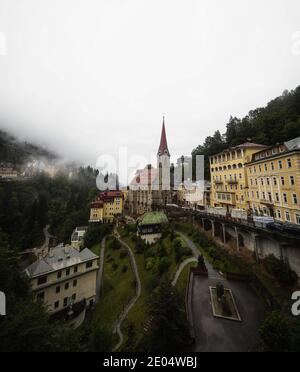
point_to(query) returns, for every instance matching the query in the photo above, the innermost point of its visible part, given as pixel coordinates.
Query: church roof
(163, 147)
(141, 177)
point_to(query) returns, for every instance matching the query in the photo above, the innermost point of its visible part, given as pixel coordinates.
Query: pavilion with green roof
(150, 224)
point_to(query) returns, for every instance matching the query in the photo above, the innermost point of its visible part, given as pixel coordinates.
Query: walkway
(181, 267)
(129, 306)
(213, 335)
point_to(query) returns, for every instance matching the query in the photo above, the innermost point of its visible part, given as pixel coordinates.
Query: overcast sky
(88, 76)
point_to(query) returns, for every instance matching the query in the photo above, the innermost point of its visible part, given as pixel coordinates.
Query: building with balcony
(229, 184)
(107, 206)
(64, 278)
(274, 182)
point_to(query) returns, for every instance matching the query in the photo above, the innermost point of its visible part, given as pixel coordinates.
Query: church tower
(163, 161)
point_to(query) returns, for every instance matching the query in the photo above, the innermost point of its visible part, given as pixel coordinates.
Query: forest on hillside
(279, 121)
(17, 152)
(26, 207)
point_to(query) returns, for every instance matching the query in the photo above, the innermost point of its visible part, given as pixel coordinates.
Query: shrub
(123, 253)
(150, 263)
(115, 244)
(281, 271)
(275, 333)
(163, 265)
(114, 266)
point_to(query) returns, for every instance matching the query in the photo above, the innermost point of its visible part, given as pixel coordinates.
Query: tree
(100, 339)
(169, 328)
(220, 290)
(275, 333)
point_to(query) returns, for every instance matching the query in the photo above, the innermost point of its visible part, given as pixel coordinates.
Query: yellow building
(64, 278)
(274, 182)
(228, 176)
(107, 206)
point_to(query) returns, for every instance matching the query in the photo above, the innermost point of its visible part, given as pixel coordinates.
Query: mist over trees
(279, 121)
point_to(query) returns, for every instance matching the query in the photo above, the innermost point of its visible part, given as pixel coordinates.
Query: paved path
(221, 335)
(100, 271)
(181, 267)
(122, 317)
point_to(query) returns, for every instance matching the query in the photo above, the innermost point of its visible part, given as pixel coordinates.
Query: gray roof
(59, 258)
(294, 144)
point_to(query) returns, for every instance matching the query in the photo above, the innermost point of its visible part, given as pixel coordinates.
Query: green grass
(182, 282)
(117, 288)
(96, 249)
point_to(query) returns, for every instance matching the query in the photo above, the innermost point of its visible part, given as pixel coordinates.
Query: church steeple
(163, 147)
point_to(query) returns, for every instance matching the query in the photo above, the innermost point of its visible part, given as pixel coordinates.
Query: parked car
(291, 228)
(275, 226)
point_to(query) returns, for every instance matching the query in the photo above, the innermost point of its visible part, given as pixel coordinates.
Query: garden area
(155, 263)
(118, 287)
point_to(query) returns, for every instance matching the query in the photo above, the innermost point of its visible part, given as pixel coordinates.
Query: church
(152, 188)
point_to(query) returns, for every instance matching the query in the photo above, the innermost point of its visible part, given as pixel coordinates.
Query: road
(129, 306)
(100, 271)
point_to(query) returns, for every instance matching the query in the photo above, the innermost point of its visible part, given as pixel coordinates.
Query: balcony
(267, 202)
(232, 182)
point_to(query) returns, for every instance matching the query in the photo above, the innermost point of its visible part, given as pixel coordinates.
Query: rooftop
(59, 258)
(153, 218)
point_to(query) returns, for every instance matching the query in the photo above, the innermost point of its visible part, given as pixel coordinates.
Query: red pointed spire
(163, 147)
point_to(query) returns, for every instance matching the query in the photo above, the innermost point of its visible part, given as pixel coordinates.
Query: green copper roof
(153, 218)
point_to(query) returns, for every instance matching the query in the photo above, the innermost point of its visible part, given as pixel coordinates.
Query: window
(74, 296)
(275, 181)
(58, 274)
(270, 196)
(280, 164)
(272, 166)
(268, 181)
(277, 197)
(287, 216)
(74, 283)
(67, 272)
(57, 289)
(40, 296)
(65, 301)
(282, 181)
(56, 305)
(75, 269)
(279, 214)
(285, 198)
(66, 286)
(295, 199)
(292, 180)
(297, 219)
(289, 163)
(257, 195)
(89, 265)
(42, 280)
(266, 167)
(262, 181)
